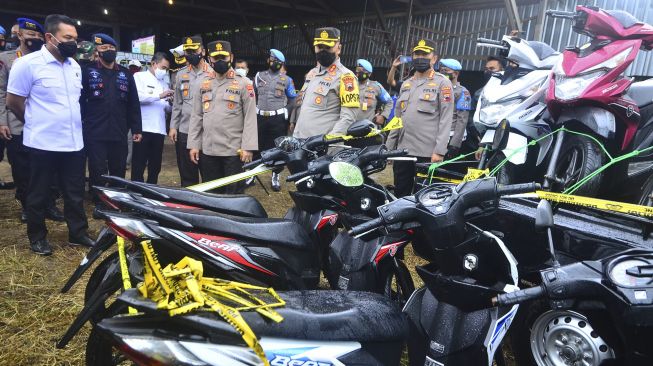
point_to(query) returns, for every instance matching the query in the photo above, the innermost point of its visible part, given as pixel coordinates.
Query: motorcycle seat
(280, 232)
(238, 205)
(320, 315)
(641, 92)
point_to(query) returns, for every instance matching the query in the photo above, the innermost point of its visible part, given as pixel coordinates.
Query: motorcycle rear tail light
(130, 229)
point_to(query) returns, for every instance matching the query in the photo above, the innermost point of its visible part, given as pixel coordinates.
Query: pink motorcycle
(589, 93)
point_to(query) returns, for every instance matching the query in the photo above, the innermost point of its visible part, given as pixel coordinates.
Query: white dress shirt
(53, 121)
(153, 109)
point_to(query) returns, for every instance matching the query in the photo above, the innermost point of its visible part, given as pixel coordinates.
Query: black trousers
(404, 174)
(68, 168)
(269, 128)
(18, 155)
(148, 152)
(214, 167)
(188, 171)
(105, 157)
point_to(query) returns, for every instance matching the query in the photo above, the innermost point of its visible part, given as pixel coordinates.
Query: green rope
(433, 167)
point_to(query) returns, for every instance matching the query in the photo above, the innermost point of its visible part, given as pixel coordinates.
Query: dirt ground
(33, 312)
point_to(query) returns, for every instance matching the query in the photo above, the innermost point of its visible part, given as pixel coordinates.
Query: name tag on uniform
(151, 89)
(364, 106)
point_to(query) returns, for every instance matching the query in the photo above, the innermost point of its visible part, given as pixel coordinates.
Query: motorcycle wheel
(646, 195)
(540, 336)
(579, 157)
(398, 284)
(99, 351)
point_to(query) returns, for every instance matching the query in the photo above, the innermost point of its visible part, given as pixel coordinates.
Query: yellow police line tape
(395, 123)
(589, 202)
(596, 203)
(181, 288)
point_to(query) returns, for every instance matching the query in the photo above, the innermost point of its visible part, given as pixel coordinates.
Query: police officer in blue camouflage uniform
(376, 103)
(273, 90)
(463, 101)
(110, 109)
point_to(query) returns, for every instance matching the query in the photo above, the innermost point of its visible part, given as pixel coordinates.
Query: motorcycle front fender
(599, 120)
(105, 240)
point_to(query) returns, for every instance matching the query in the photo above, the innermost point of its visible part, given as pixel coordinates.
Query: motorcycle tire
(591, 158)
(99, 351)
(645, 196)
(522, 327)
(403, 283)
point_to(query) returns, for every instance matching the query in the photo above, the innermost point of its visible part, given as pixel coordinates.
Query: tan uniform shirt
(186, 81)
(294, 116)
(373, 99)
(426, 107)
(224, 116)
(7, 118)
(460, 117)
(330, 101)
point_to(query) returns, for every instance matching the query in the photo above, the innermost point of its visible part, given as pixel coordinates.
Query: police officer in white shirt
(43, 91)
(155, 95)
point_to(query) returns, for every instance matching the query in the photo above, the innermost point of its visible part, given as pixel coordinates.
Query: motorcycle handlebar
(518, 188)
(561, 14)
(394, 153)
(489, 41)
(297, 176)
(252, 164)
(519, 296)
(366, 226)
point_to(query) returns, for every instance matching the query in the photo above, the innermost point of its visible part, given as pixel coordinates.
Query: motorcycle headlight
(492, 113)
(568, 88)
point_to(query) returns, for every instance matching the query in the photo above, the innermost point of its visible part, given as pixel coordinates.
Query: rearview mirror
(360, 128)
(345, 174)
(287, 143)
(501, 135)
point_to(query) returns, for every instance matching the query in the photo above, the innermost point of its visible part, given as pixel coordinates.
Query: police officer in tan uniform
(426, 107)
(187, 80)
(180, 63)
(463, 100)
(330, 98)
(30, 36)
(376, 103)
(222, 133)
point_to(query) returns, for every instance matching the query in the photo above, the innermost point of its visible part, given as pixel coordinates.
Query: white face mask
(241, 72)
(160, 74)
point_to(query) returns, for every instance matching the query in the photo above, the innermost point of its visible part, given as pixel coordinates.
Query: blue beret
(30, 24)
(101, 38)
(451, 63)
(366, 65)
(278, 55)
(2, 30)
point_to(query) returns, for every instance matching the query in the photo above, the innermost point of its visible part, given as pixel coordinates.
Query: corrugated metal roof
(455, 33)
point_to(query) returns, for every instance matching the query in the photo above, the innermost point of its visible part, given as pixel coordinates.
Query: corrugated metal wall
(454, 32)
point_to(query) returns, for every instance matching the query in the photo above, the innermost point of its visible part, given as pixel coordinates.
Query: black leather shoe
(54, 214)
(23, 216)
(41, 247)
(81, 241)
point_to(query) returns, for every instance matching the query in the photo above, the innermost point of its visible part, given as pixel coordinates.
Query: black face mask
(108, 56)
(487, 75)
(421, 64)
(66, 49)
(194, 59)
(12, 43)
(275, 66)
(221, 66)
(325, 58)
(362, 76)
(33, 44)
(3, 44)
